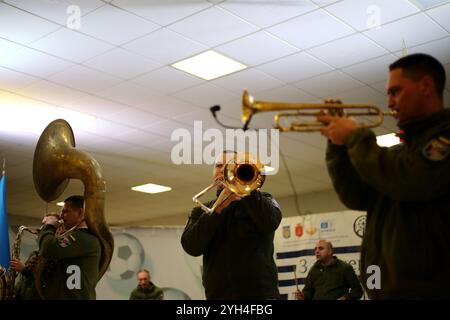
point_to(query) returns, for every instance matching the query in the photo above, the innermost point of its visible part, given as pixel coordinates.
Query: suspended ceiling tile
(128, 93)
(440, 49)
(12, 80)
(204, 95)
(371, 71)
(311, 29)
(329, 84)
(59, 11)
(115, 25)
(71, 45)
(95, 106)
(257, 48)
(295, 67)
(21, 26)
(122, 63)
(265, 14)
(84, 79)
(213, 26)
(167, 80)
(51, 93)
(29, 61)
(134, 117)
(167, 106)
(250, 79)
(440, 15)
(411, 31)
(163, 12)
(342, 53)
(170, 47)
(369, 14)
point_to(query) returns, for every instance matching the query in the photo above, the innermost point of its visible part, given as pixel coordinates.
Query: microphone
(214, 109)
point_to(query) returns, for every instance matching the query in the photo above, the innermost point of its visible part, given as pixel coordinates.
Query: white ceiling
(116, 69)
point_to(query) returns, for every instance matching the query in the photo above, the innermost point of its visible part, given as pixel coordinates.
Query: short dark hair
(418, 65)
(75, 201)
(143, 270)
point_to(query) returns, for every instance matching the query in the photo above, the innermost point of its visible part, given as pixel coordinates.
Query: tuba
(55, 162)
(241, 175)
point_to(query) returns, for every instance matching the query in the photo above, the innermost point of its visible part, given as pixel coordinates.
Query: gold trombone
(251, 106)
(241, 175)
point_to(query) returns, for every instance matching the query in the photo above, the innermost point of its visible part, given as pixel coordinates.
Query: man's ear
(427, 85)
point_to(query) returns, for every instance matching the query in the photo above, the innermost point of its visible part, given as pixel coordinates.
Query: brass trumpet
(251, 106)
(241, 175)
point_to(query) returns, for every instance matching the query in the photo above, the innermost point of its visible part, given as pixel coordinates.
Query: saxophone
(8, 279)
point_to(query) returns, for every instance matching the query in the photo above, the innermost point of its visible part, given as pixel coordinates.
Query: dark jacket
(237, 248)
(150, 293)
(332, 282)
(25, 287)
(81, 249)
(406, 193)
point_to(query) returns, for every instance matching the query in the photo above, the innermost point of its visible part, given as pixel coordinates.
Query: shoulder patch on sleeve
(437, 149)
(64, 242)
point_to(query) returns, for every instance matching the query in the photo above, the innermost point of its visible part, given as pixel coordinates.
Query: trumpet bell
(244, 175)
(241, 175)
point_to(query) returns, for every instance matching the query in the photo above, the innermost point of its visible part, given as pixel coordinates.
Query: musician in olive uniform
(146, 289)
(405, 190)
(76, 254)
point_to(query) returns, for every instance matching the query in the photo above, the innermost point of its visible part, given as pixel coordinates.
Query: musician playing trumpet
(236, 241)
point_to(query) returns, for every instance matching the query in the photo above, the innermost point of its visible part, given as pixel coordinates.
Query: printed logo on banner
(359, 225)
(286, 232)
(311, 230)
(327, 226)
(298, 230)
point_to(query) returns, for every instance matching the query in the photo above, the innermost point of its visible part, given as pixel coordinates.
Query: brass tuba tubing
(251, 107)
(55, 162)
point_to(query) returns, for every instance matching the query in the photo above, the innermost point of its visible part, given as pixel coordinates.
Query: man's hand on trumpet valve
(337, 128)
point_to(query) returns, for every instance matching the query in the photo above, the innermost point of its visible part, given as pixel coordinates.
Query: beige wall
(315, 202)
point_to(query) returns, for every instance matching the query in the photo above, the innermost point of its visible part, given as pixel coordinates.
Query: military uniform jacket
(79, 249)
(406, 193)
(237, 248)
(151, 293)
(332, 282)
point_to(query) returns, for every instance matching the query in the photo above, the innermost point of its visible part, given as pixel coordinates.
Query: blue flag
(4, 236)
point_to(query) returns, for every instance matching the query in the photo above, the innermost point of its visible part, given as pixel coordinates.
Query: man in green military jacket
(146, 290)
(405, 190)
(75, 254)
(330, 278)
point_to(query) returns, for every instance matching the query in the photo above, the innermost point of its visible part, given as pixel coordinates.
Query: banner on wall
(296, 238)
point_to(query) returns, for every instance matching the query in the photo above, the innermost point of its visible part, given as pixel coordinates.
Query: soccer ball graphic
(127, 259)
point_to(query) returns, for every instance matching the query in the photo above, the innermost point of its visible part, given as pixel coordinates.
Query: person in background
(146, 290)
(330, 278)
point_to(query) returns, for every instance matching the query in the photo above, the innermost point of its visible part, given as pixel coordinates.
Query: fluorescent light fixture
(209, 65)
(267, 169)
(61, 204)
(388, 140)
(151, 188)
